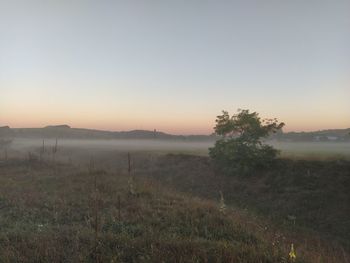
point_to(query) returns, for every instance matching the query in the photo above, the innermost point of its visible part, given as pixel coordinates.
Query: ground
(76, 206)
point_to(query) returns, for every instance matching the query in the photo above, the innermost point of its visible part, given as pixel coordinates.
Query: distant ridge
(6, 131)
(64, 126)
(67, 132)
(321, 135)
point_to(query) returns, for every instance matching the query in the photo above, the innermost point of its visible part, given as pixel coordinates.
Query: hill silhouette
(67, 132)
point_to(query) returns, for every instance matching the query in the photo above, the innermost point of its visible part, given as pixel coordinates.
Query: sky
(174, 65)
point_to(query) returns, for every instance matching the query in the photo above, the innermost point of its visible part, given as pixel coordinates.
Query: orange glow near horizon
(172, 126)
(27, 105)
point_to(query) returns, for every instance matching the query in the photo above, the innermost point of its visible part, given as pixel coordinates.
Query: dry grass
(55, 212)
(59, 213)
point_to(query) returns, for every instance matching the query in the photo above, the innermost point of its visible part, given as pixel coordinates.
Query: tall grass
(57, 212)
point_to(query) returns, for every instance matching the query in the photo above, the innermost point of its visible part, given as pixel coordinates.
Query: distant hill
(317, 136)
(65, 131)
(64, 126)
(6, 133)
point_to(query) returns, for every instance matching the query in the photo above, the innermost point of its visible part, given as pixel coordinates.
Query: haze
(174, 65)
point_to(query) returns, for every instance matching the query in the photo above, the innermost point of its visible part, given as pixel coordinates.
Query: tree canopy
(240, 148)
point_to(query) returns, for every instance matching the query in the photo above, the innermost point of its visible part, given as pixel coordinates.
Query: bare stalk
(96, 208)
(131, 179)
(119, 209)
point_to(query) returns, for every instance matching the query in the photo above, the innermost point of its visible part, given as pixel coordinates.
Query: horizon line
(154, 130)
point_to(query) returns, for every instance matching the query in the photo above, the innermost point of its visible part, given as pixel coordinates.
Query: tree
(240, 148)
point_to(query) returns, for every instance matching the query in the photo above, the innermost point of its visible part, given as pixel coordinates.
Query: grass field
(58, 213)
(80, 205)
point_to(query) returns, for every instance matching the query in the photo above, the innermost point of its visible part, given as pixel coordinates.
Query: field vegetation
(77, 203)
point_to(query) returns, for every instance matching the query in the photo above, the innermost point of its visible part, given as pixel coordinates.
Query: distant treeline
(65, 131)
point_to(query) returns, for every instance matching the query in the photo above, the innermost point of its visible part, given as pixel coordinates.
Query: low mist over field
(313, 150)
(121, 145)
(314, 145)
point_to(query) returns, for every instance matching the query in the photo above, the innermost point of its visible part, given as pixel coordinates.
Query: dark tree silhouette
(240, 148)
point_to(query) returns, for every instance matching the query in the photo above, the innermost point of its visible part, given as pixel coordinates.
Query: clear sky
(174, 65)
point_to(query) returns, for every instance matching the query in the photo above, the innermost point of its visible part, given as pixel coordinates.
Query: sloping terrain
(59, 213)
(298, 194)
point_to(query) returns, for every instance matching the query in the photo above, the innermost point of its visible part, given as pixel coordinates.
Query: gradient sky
(174, 65)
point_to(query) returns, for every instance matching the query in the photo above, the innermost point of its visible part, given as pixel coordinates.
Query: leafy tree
(240, 148)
